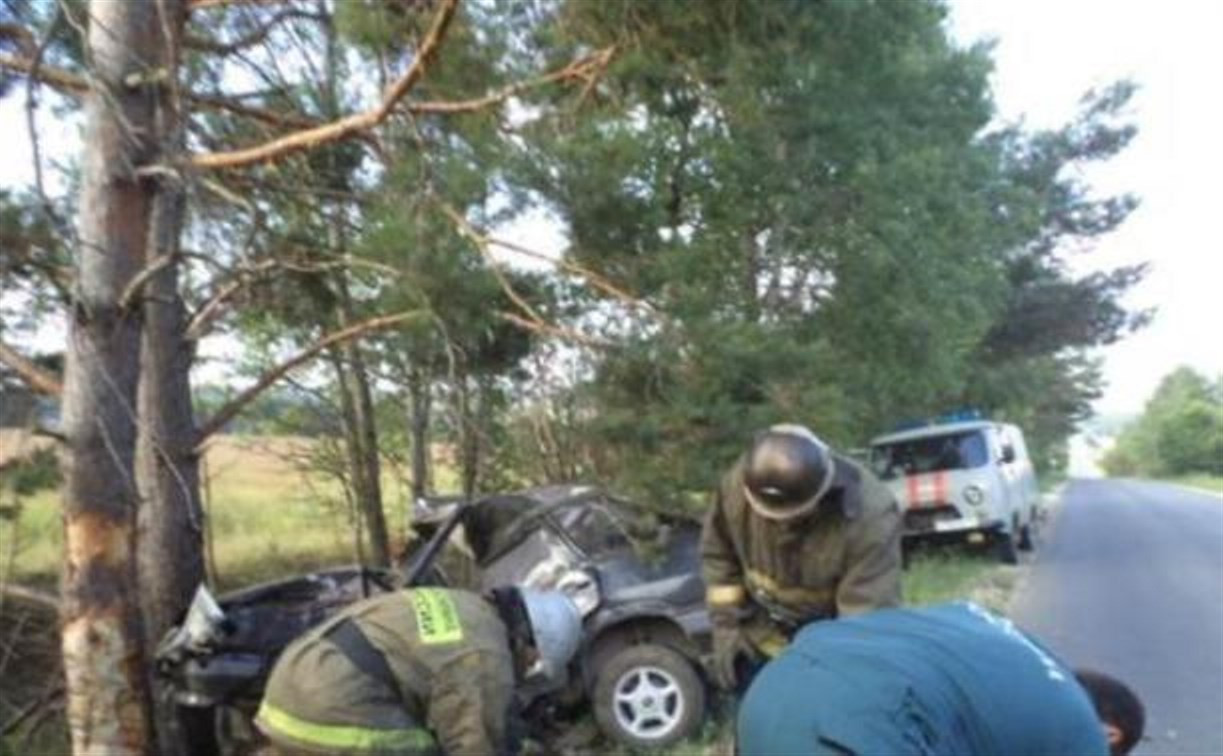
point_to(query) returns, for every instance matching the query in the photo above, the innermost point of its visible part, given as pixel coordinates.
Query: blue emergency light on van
(963, 415)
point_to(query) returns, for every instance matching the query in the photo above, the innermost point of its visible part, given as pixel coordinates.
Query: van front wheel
(1005, 547)
(1025, 538)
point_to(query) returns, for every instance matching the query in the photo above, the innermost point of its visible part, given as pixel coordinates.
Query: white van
(962, 477)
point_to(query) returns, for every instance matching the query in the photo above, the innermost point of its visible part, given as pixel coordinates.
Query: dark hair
(1116, 704)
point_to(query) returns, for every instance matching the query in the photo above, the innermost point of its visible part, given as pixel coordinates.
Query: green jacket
(843, 558)
(448, 679)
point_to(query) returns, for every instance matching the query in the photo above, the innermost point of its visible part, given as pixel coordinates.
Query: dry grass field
(267, 515)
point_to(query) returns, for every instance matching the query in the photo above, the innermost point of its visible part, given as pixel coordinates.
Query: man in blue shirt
(947, 679)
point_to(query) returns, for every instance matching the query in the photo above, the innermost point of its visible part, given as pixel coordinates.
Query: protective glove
(731, 652)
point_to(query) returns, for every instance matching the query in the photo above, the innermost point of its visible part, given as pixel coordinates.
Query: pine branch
(238, 403)
(588, 69)
(58, 78)
(72, 84)
(194, 5)
(345, 127)
(39, 380)
(485, 242)
(21, 36)
(253, 38)
(548, 329)
(246, 276)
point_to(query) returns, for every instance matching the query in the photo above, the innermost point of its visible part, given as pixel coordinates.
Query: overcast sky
(1049, 52)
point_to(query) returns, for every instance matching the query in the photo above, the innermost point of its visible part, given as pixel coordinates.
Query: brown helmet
(788, 470)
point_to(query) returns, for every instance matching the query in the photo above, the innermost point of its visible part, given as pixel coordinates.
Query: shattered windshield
(957, 451)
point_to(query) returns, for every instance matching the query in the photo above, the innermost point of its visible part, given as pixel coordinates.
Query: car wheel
(1005, 547)
(1025, 542)
(649, 696)
(197, 730)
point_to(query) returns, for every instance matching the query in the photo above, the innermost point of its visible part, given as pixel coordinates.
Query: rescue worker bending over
(417, 670)
(796, 533)
(946, 679)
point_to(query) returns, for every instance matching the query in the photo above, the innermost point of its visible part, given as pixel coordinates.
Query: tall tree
(809, 196)
(1179, 432)
(102, 629)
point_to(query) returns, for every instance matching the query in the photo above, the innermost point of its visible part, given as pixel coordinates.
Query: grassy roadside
(1211, 483)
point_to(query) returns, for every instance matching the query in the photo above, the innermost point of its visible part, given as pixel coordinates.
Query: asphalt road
(1128, 579)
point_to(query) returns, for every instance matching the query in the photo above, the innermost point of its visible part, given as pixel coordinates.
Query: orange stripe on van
(930, 489)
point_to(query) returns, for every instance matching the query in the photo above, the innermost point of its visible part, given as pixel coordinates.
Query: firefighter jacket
(842, 558)
(945, 679)
(407, 672)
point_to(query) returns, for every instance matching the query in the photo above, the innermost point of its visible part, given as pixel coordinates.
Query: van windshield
(954, 451)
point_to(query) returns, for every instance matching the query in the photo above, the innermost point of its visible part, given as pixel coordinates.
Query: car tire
(1025, 542)
(197, 730)
(1005, 547)
(648, 696)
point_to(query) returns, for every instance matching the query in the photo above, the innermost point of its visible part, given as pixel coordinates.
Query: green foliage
(1179, 433)
(37, 472)
(807, 195)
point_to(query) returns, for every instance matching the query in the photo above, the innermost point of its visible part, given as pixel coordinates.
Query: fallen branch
(31, 595)
(236, 405)
(345, 127)
(40, 380)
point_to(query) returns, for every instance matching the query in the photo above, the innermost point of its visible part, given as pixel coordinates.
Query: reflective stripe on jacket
(325, 737)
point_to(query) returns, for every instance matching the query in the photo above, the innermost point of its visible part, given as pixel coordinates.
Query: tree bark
(418, 430)
(170, 547)
(170, 521)
(361, 434)
(102, 634)
(469, 437)
(369, 458)
(169, 529)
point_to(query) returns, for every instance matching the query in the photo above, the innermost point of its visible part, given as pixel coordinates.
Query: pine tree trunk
(361, 434)
(170, 528)
(102, 634)
(469, 439)
(418, 428)
(368, 461)
(170, 554)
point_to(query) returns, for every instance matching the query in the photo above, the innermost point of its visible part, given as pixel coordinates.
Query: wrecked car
(646, 629)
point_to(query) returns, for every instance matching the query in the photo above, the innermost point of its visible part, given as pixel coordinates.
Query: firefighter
(946, 679)
(417, 671)
(796, 533)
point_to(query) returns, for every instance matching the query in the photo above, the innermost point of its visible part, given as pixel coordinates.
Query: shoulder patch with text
(437, 621)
